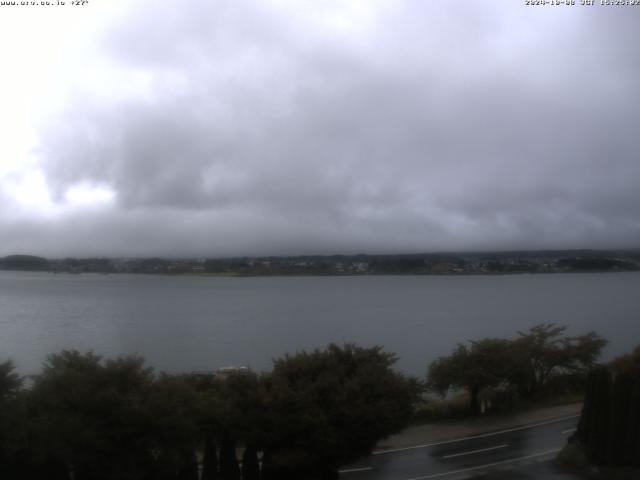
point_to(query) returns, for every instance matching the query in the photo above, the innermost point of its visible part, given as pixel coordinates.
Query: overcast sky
(214, 128)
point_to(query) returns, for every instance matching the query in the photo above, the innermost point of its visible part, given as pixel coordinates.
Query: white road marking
(488, 465)
(570, 430)
(483, 435)
(471, 452)
(353, 470)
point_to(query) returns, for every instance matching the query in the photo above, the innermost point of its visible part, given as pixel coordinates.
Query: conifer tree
(229, 469)
(210, 458)
(250, 465)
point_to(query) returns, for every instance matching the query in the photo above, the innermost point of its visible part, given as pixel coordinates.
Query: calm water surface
(195, 323)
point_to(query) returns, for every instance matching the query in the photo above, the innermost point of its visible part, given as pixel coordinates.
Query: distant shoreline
(464, 263)
(290, 275)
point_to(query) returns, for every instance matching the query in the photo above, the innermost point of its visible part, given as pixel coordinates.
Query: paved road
(519, 451)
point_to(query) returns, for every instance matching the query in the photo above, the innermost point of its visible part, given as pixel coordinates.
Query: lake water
(197, 323)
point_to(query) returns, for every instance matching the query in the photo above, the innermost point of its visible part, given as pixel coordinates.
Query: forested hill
(24, 262)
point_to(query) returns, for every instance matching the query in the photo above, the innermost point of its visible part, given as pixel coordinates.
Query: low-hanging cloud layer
(246, 127)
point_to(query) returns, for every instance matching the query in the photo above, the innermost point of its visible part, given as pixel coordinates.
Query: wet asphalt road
(521, 453)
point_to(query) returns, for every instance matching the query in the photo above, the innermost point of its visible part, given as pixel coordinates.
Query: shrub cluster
(89, 418)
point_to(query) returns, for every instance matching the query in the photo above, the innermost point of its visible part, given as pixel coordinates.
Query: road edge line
(488, 465)
(471, 437)
(472, 452)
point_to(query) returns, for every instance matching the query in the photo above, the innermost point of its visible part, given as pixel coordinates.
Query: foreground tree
(92, 415)
(232, 409)
(526, 363)
(89, 418)
(250, 464)
(229, 468)
(173, 409)
(10, 381)
(10, 416)
(482, 364)
(609, 427)
(548, 352)
(330, 407)
(209, 457)
(628, 364)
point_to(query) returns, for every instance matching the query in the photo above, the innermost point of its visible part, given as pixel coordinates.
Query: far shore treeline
(545, 261)
(91, 418)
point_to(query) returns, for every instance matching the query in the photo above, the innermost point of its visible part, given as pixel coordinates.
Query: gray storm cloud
(265, 129)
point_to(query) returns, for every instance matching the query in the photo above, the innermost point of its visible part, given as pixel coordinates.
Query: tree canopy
(548, 352)
(484, 363)
(10, 381)
(525, 363)
(112, 419)
(628, 363)
(331, 406)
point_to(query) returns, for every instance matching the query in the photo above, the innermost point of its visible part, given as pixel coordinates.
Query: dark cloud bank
(267, 130)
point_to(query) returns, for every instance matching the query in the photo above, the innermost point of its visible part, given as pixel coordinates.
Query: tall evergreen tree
(609, 427)
(188, 466)
(229, 469)
(210, 457)
(250, 464)
(633, 438)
